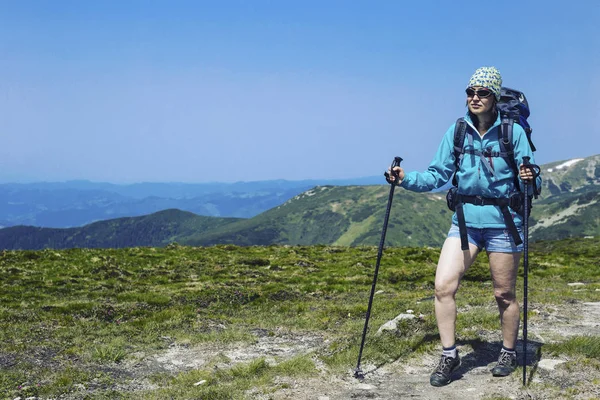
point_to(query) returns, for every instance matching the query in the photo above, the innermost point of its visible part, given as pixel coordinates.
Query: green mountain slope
(349, 215)
(570, 202)
(156, 229)
(575, 214)
(338, 215)
(570, 175)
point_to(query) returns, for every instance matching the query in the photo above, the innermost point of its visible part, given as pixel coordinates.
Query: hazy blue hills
(344, 215)
(338, 215)
(76, 203)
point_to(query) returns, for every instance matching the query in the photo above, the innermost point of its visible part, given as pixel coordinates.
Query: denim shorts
(497, 240)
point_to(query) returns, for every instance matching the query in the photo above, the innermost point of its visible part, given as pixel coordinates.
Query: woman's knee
(504, 297)
(445, 289)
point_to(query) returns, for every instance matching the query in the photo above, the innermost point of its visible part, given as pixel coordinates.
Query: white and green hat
(487, 77)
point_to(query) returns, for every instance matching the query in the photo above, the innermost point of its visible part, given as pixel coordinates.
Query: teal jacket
(479, 176)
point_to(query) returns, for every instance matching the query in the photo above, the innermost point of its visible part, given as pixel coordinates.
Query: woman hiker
(480, 175)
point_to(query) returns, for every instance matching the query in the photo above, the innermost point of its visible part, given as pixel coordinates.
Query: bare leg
(452, 265)
(504, 267)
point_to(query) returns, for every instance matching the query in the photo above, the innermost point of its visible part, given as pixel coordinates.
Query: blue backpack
(513, 106)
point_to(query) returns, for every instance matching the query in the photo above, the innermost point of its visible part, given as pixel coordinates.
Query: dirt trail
(402, 380)
(408, 379)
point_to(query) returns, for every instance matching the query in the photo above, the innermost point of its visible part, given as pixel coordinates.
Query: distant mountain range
(77, 203)
(338, 215)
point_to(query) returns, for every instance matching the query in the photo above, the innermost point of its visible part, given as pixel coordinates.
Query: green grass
(230, 383)
(585, 346)
(75, 320)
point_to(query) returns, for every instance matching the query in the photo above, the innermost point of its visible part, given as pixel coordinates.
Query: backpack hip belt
(455, 203)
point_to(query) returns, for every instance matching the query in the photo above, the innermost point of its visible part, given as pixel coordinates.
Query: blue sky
(200, 91)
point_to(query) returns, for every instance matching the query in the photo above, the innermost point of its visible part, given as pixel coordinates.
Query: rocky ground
(548, 378)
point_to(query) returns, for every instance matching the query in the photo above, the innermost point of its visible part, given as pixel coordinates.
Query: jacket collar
(470, 122)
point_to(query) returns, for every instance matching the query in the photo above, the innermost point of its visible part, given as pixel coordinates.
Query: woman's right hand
(396, 173)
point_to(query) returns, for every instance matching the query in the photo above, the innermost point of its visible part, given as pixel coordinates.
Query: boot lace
(506, 359)
(444, 366)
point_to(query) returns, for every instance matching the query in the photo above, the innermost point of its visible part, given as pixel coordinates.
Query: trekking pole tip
(358, 374)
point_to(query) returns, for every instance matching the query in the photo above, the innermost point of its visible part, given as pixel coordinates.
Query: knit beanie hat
(487, 77)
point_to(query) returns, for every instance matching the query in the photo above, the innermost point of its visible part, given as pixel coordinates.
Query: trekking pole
(527, 201)
(358, 373)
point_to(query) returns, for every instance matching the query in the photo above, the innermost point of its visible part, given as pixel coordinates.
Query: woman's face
(480, 100)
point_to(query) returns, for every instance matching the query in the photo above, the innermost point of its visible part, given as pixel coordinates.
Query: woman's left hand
(525, 173)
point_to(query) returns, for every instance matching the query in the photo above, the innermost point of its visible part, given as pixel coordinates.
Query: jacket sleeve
(523, 149)
(440, 169)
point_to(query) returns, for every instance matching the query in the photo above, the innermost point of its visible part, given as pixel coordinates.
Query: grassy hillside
(575, 214)
(349, 215)
(570, 175)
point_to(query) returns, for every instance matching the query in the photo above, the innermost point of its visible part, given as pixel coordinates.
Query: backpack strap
(460, 129)
(507, 147)
(462, 227)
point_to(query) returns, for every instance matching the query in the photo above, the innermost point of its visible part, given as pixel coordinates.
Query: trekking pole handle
(535, 170)
(395, 163)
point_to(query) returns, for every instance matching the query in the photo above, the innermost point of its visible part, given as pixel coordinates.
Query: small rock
(202, 382)
(365, 386)
(549, 364)
(379, 292)
(388, 326)
(410, 311)
(393, 324)
(576, 284)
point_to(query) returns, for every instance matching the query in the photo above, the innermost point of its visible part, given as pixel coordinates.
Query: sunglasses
(481, 93)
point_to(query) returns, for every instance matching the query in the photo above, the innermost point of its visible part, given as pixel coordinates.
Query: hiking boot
(443, 373)
(507, 363)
